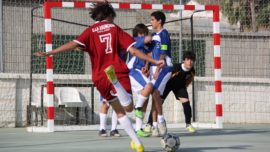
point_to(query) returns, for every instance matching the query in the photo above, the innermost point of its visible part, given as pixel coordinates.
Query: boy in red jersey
(102, 41)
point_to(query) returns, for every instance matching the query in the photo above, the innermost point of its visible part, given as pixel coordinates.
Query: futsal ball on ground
(170, 142)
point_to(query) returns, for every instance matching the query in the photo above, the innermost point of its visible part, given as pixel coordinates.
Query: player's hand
(155, 76)
(40, 54)
(145, 71)
(147, 39)
(160, 63)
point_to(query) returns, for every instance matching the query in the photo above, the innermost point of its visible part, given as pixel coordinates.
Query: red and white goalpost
(49, 59)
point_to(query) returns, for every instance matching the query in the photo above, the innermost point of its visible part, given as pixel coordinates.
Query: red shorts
(107, 90)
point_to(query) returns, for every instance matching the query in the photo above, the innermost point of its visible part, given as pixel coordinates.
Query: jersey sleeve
(83, 39)
(157, 42)
(139, 42)
(124, 39)
(164, 44)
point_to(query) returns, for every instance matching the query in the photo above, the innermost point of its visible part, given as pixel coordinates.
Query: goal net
(55, 80)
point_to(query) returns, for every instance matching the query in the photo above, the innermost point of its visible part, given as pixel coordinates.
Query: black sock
(187, 112)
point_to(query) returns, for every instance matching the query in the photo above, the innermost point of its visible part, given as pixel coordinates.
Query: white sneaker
(155, 132)
(162, 128)
(190, 128)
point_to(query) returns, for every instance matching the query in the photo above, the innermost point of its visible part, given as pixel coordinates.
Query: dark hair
(140, 28)
(189, 55)
(101, 11)
(159, 16)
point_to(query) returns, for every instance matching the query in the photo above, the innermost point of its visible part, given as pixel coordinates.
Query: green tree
(251, 14)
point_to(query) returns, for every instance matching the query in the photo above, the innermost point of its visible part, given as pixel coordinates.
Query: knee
(129, 108)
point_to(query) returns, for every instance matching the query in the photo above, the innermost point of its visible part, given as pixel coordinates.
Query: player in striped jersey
(161, 50)
(140, 80)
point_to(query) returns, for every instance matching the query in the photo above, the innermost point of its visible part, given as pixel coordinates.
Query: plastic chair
(70, 97)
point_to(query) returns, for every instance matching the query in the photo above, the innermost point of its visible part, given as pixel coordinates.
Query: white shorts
(138, 80)
(163, 78)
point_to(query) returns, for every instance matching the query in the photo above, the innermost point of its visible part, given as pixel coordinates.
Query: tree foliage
(241, 11)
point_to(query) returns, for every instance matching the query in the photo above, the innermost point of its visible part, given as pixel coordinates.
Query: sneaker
(111, 74)
(138, 148)
(102, 133)
(147, 128)
(141, 133)
(162, 128)
(190, 128)
(115, 133)
(155, 132)
(139, 113)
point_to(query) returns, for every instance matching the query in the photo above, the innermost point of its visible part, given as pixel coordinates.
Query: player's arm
(145, 69)
(162, 57)
(139, 54)
(64, 48)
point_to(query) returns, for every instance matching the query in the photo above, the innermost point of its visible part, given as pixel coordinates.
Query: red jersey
(103, 41)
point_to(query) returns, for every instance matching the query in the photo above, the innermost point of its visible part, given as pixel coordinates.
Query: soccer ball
(170, 142)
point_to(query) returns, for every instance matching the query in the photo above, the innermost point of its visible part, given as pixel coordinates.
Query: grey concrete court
(233, 138)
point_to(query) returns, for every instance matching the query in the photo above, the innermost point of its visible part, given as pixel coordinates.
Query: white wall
(244, 100)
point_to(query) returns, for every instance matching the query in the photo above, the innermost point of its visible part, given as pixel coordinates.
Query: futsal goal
(53, 76)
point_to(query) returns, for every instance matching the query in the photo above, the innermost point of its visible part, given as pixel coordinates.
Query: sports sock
(187, 112)
(140, 101)
(154, 124)
(160, 119)
(139, 123)
(125, 122)
(114, 120)
(123, 96)
(103, 121)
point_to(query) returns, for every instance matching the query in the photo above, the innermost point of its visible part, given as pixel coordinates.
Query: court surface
(233, 138)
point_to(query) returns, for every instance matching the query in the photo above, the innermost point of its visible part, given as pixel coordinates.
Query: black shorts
(179, 91)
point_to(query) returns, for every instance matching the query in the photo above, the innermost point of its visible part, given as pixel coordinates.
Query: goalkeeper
(182, 75)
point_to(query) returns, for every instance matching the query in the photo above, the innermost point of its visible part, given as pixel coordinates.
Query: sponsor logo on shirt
(103, 28)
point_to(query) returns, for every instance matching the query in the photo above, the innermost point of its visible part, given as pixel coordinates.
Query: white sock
(154, 124)
(125, 122)
(139, 123)
(160, 118)
(114, 120)
(103, 121)
(123, 96)
(140, 101)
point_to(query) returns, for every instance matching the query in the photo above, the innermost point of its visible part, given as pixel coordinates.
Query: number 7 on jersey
(107, 38)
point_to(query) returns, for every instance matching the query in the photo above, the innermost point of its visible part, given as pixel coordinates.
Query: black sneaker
(115, 133)
(102, 133)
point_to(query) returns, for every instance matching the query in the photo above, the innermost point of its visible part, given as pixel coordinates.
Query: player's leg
(159, 87)
(155, 131)
(142, 86)
(105, 88)
(114, 132)
(104, 107)
(182, 95)
(122, 94)
(167, 90)
(125, 122)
